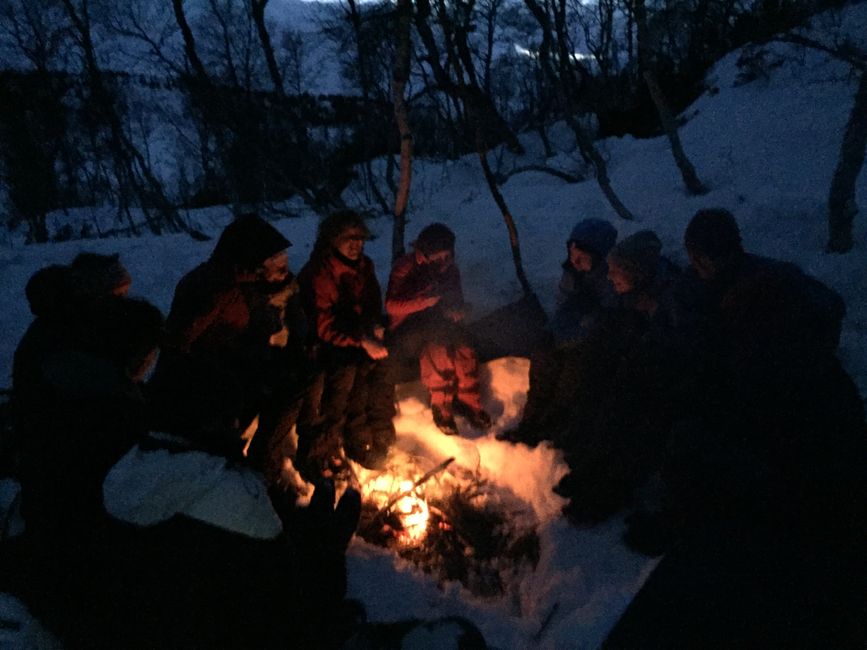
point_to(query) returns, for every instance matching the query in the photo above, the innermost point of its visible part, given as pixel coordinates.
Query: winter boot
(477, 418)
(445, 421)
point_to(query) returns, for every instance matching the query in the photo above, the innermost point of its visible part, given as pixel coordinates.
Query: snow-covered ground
(767, 150)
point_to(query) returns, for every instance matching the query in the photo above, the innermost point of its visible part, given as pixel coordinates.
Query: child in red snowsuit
(425, 306)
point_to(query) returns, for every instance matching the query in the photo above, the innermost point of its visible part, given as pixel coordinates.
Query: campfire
(451, 525)
(396, 505)
(400, 505)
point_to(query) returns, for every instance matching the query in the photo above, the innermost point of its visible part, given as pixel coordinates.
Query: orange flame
(411, 510)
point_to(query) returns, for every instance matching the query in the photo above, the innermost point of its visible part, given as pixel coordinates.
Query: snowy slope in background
(767, 149)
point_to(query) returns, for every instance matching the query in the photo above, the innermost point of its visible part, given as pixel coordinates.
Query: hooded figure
(223, 313)
(210, 312)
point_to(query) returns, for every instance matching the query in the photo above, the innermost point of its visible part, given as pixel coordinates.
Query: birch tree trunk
(401, 76)
(842, 206)
(693, 185)
(514, 243)
(134, 176)
(563, 80)
(258, 12)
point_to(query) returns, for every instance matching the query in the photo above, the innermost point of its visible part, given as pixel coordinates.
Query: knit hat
(595, 236)
(247, 242)
(713, 232)
(435, 238)
(638, 255)
(94, 275)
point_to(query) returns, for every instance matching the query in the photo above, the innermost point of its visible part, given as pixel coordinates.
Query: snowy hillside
(767, 150)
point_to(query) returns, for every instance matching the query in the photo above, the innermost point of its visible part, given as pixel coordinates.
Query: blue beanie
(595, 236)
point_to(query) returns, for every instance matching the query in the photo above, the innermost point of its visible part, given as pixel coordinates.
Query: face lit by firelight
(619, 277)
(350, 243)
(580, 259)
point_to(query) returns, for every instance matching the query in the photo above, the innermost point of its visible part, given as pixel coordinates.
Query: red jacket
(342, 301)
(411, 284)
(208, 311)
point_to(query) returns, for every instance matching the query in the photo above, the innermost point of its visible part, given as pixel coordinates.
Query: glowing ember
(410, 509)
(413, 513)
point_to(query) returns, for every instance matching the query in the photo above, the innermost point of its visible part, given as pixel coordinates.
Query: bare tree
(669, 125)
(257, 8)
(401, 76)
(842, 203)
(33, 31)
(842, 206)
(455, 72)
(293, 60)
(461, 80)
(564, 78)
(131, 170)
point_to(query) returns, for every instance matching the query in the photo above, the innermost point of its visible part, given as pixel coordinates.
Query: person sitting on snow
(628, 381)
(425, 305)
(92, 413)
(222, 314)
(88, 412)
(584, 292)
(355, 398)
(204, 557)
(57, 294)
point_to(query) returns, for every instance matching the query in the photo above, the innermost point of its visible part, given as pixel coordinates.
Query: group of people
(709, 400)
(152, 517)
(711, 404)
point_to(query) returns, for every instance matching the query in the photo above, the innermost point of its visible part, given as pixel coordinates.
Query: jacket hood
(594, 236)
(247, 242)
(148, 487)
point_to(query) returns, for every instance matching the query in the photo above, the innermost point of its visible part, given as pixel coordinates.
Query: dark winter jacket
(342, 299)
(211, 309)
(795, 298)
(54, 305)
(580, 297)
(91, 414)
(411, 283)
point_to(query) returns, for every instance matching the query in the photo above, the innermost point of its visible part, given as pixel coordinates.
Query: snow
(765, 148)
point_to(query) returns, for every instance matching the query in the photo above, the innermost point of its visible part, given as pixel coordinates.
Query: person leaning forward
(425, 305)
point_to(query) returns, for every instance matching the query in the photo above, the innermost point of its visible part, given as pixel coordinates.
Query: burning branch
(421, 481)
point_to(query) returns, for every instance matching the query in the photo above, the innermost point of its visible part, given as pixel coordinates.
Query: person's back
(91, 412)
(57, 295)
